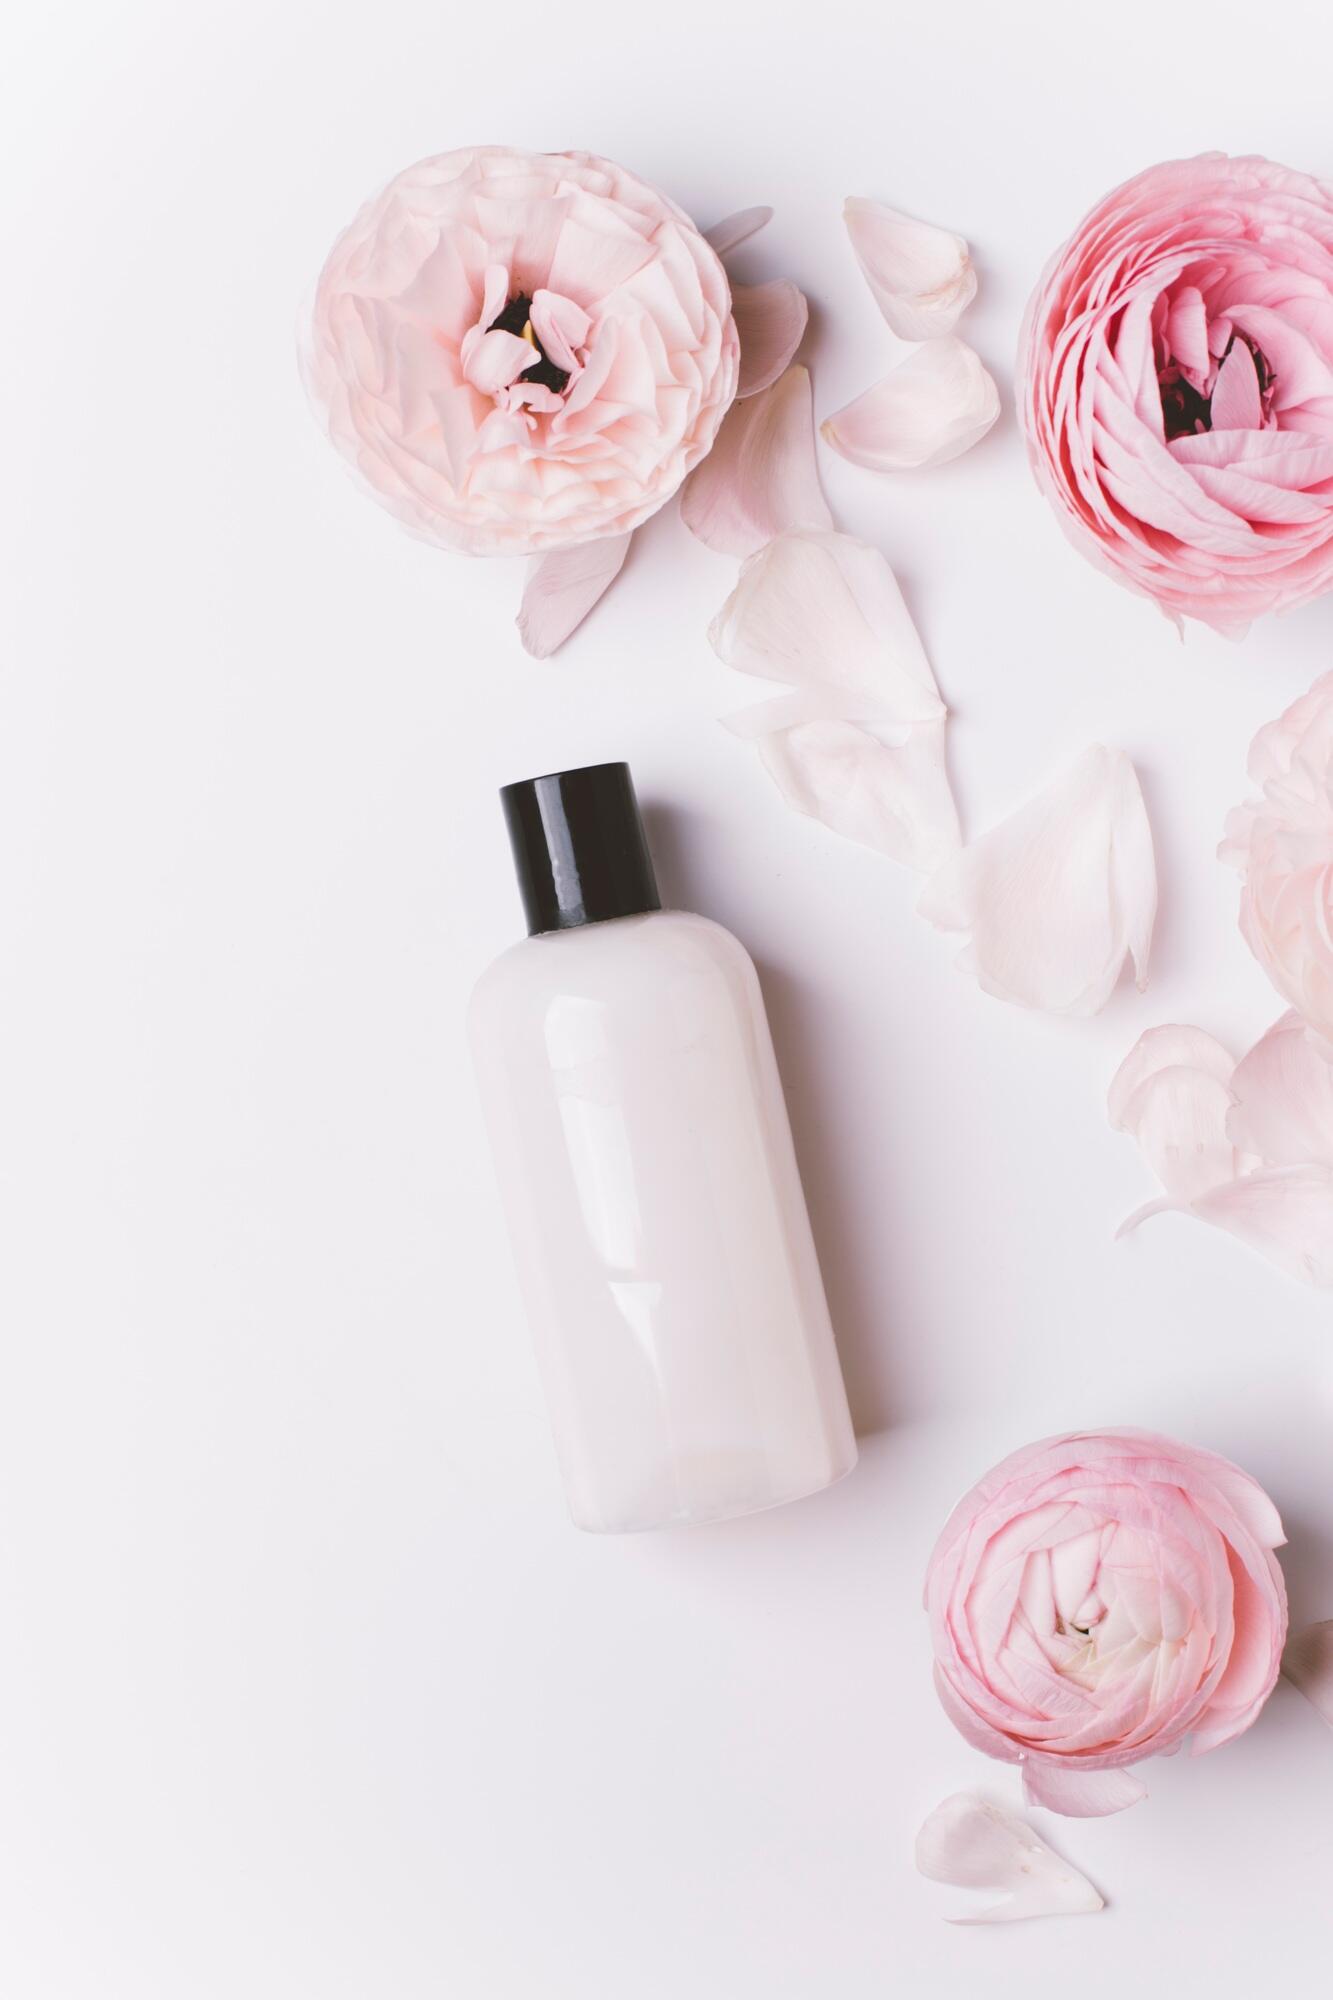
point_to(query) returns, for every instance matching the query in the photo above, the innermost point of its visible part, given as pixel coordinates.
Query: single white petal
(733, 230)
(935, 405)
(1284, 1097)
(977, 1845)
(824, 611)
(1080, 1794)
(921, 276)
(760, 479)
(1179, 1117)
(1308, 1665)
(1286, 1213)
(894, 797)
(1059, 895)
(771, 321)
(562, 589)
(1169, 1047)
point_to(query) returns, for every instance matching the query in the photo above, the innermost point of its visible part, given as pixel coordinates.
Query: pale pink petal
(760, 479)
(1179, 1117)
(975, 1844)
(770, 320)
(733, 230)
(1059, 895)
(561, 327)
(1235, 404)
(562, 589)
(1284, 1097)
(1286, 1213)
(1078, 1793)
(824, 611)
(894, 797)
(1308, 1665)
(1167, 1047)
(921, 276)
(497, 360)
(936, 404)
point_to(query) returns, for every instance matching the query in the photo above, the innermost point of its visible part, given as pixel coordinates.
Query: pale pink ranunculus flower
(1096, 1599)
(1282, 843)
(1176, 387)
(522, 352)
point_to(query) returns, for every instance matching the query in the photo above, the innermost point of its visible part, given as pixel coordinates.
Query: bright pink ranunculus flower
(1282, 842)
(1176, 387)
(1098, 1598)
(522, 351)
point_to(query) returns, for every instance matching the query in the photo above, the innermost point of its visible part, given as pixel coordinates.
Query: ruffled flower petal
(771, 321)
(1167, 1047)
(1178, 1113)
(1060, 894)
(974, 1844)
(760, 479)
(1308, 1665)
(894, 797)
(921, 276)
(733, 230)
(1286, 1213)
(1283, 1091)
(1081, 1794)
(823, 611)
(936, 404)
(562, 589)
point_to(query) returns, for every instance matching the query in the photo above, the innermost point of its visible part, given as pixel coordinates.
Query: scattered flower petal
(760, 479)
(823, 611)
(1058, 895)
(1308, 1665)
(771, 321)
(1284, 1097)
(1286, 1213)
(562, 589)
(894, 797)
(1167, 1047)
(977, 1845)
(733, 230)
(921, 276)
(1178, 1113)
(933, 407)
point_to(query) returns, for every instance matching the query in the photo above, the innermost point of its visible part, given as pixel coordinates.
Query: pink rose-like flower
(1098, 1598)
(1282, 843)
(1176, 387)
(521, 352)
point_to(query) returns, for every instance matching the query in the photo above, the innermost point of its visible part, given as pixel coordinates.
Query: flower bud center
(517, 318)
(1187, 409)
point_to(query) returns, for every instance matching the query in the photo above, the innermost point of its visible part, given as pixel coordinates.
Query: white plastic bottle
(652, 1193)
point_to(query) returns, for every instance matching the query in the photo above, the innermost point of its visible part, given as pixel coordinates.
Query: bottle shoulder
(601, 959)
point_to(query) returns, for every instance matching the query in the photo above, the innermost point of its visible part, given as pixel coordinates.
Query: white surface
(307, 1689)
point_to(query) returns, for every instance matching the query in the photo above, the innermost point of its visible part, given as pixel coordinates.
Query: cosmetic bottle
(650, 1185)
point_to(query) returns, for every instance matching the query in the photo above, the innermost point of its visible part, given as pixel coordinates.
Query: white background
(308, 1691)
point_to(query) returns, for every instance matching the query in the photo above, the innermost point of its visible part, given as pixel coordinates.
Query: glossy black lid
(579, 847)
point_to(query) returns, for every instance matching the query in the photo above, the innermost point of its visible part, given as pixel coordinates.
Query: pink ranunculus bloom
(1282, 842)
(1176, 387)
(1096, 1599)
(521, 352)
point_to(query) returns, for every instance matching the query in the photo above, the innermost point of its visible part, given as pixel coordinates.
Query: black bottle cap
(579, 847)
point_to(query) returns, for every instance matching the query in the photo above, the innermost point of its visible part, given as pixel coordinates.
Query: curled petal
(1060, 894)
(760, 479)
(894, 797)
(1284, 1097)
(934, 406)
(1167, 1047)
(1081, 1794)
(562, 589)
(733, 230)
(824, 612)
(1286, 1213)
(921, 276)
(977, 1845)
(1179, 1117)
(1308, 1665)
(770, 320)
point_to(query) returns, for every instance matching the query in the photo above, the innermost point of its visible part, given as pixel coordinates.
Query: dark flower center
(517, 318)
(1186, 410)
